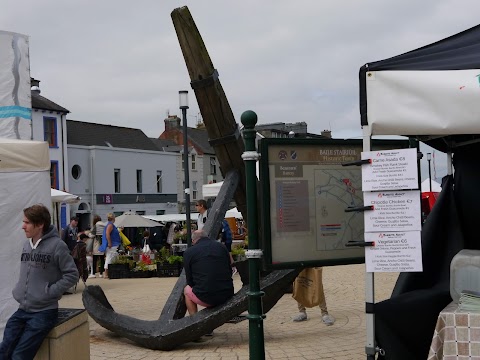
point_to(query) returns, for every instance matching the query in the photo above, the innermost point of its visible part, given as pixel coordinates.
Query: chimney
(172, 122)
(326, 134)
(35, 85)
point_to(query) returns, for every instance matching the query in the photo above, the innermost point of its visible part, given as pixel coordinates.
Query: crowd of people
(50, 267)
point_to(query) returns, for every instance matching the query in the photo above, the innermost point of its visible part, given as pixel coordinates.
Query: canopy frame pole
(370, 346)
(449, 163)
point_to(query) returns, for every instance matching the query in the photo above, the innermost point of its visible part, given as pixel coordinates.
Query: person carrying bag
(308, 291)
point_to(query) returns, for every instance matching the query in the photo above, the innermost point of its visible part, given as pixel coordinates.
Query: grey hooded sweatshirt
(45, 273)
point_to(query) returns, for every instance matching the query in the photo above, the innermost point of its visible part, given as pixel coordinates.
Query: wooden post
(220, 123)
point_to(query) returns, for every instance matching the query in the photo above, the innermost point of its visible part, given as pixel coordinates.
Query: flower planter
(141, 274)
(169, 270)
(118, 271)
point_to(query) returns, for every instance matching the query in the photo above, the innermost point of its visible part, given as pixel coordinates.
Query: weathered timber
(161, 335)
(212, 101)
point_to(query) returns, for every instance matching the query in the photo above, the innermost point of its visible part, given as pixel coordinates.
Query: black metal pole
(430, 174)
(187, 177)
(254, 254)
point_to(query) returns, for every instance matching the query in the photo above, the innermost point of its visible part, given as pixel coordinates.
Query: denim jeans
(25, 332)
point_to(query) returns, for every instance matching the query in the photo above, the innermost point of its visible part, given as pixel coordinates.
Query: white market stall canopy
(62, 196)
(171, 217)
(193, 216)
(431, 91)
(24, 181)
(129, 219)
(211, 190)
(436, 187)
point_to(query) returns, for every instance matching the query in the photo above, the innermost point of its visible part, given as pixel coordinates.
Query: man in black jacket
(70, 233)
(208, 272)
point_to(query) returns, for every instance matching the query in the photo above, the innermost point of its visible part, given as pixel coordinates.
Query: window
(76, 171)
(213, 166)
(54, 174)
(160, 212)
(117, 180)
(140, 212)
(50, 131)
(139, 181)
(194, 190)
(159, 183)
(193, 161)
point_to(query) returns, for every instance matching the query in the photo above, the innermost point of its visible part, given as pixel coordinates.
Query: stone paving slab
(284, 339)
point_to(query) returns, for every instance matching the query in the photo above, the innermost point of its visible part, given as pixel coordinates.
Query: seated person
(208, 272)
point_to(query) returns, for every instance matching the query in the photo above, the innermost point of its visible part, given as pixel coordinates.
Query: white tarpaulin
(23, 182)
(423, 102)
(15, 95)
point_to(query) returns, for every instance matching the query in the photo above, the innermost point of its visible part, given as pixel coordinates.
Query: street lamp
(429, 159)
(183, 101)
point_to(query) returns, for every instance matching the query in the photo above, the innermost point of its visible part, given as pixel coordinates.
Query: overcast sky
(119, 62)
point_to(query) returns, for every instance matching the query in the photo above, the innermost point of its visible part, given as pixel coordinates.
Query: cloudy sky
(119, 62)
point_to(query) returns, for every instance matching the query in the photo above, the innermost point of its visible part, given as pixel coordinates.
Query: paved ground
(284, 339)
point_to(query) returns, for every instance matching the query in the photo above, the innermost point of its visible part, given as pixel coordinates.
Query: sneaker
(302, 316)
(328, 319)
(91, 276)
(100, 276)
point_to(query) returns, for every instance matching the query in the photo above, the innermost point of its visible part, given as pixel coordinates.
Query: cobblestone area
(284, 339)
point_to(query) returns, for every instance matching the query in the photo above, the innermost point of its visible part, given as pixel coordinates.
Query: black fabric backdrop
(405, 323)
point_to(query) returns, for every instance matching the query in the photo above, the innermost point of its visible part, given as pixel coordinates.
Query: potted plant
(120, 267)
(170, 266)
(238, 252)
(143, 269)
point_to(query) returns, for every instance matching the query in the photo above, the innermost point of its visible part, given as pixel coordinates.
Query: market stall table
(456, 335)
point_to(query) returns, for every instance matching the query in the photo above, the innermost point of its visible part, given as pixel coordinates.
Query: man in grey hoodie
(47, 270)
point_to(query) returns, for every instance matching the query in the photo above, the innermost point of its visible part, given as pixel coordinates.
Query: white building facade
(118, 180)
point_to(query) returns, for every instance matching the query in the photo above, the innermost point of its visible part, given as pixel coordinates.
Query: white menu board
(390, 170)
(394, 252)
(393, 211)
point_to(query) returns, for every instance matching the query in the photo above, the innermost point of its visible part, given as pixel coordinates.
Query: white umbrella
(62, 196)
(129, 219)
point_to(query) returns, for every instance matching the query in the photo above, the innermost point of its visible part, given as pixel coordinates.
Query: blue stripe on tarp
(15, 111)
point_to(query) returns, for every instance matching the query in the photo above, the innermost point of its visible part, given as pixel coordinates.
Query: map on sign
(336, 190)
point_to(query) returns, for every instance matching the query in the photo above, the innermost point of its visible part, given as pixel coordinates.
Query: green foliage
(143, 266)
(238, 249)
(173, 259)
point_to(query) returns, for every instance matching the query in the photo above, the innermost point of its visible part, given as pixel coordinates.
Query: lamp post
(253, 254)
(429, 159)
(183, 101)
